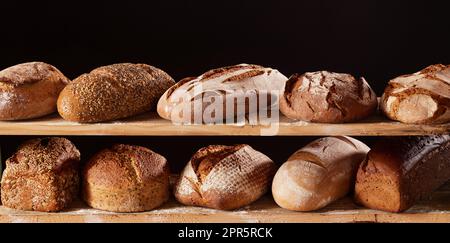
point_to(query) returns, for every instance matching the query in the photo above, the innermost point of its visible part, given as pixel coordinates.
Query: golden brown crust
(126, 178)
(420, 98)
(113, 92)
(327, 97)
(29, 90)
(318, 174)
(42, 175)
(224, 177)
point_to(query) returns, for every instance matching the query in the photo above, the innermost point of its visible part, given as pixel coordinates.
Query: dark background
(375, 39)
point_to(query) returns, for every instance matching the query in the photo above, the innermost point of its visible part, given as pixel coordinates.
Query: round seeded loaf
(43, 175)
(126, 178)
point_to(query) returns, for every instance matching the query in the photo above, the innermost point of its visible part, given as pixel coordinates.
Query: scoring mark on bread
(243, 76)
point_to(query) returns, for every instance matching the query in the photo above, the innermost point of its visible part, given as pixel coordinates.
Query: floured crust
(126, 178)
(399, 171)
(421, 98)
(241, 81)
(29, 90)
(224, 177)
(318, 174)
(327, 97)
(113, 92)
(42, 175)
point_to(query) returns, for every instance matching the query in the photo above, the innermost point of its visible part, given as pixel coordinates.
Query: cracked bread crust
(43, 175)
(327, 97)
(209, 91)
(126, 178)
(224, 177)
(399, 171)
(420, 98)
(29, 90)
(113, 92)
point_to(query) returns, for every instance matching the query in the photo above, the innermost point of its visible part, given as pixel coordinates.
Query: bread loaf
(402, 170)
(126, 178)
(193, 99)
(224, 177)
(318, 174)
(422, 97)
(43, 175)
(29, 90)
(113, 92)
(327, 97)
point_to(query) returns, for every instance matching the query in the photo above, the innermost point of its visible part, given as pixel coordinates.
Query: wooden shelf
(435, 209)
(151, 125)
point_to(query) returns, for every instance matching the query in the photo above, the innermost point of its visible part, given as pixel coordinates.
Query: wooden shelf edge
(151, 125)
(434, 210)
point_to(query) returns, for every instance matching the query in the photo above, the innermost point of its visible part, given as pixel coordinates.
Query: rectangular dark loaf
(402, 170)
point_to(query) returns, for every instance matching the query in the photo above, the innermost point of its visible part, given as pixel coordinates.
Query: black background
(375, 39)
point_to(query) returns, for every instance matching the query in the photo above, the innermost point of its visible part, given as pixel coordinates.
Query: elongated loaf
(422, 97)
(126, 178)
(318, 174)
(203, 99)
(402, 170)
(225, 177)
(113, 92)
(43, 175)
(29, 90)
(327, 97)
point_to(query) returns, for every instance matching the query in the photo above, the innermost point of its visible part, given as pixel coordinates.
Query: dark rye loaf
(399, 171)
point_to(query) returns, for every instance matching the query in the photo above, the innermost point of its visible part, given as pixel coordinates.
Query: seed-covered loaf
(43, 175)
(113, 92)
(327, 97)
(225, 177)
(399, 171)
(203, 99)
(126, 178)
(422, 97)
(29, 90)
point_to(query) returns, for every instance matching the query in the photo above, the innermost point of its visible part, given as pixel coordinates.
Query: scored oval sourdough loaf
(318, 174)
(29, 90)
(43, 175)
(203, 99)
(126, 178)
(224, 177)
(422, 97)
(113, 92)
(327, 97)
(399, 171)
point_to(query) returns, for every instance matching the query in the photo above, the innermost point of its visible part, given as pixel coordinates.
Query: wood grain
(435, 209)
(151, 125)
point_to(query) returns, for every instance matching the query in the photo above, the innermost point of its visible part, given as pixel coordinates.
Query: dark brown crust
(121, 179)
(113, 92)
(340, 106)
(30, 90)
(402, 170)
(224, 70)
(42, 175)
